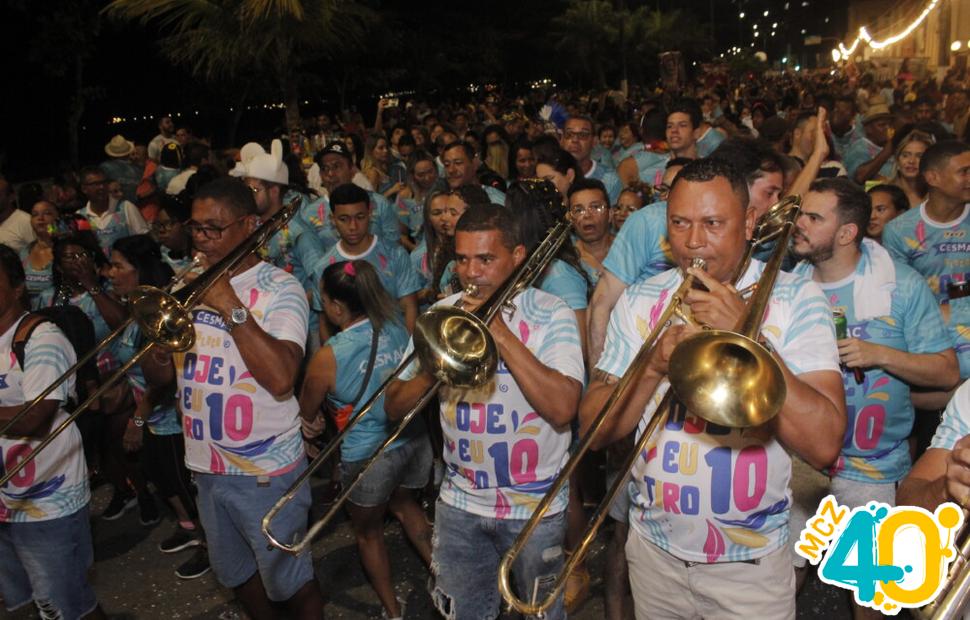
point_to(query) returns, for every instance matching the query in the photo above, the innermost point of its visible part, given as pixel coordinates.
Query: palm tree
(274, 41)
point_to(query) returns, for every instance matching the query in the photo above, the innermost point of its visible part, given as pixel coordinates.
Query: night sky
(128, 76)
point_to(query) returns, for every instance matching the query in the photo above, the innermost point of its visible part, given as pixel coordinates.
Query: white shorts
(665, 587)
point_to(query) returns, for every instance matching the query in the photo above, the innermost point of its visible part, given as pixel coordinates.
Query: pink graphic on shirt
(253, 297)
(714, 545)
(13, 360)
(216, 464)
(524, 332)
(502, 506)
(382, 260)
(657, 309)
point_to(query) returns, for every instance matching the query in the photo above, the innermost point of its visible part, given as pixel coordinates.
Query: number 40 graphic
(890, 557)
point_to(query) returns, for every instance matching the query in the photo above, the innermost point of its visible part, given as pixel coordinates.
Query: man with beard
(895, 339)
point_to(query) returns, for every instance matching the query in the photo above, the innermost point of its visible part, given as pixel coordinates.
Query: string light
(846, 53)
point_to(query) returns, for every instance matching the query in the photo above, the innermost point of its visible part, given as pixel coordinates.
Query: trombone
(163, 318)
(748, 364)
(451, 344)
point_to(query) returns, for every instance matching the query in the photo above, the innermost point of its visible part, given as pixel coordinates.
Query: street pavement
(134, 580)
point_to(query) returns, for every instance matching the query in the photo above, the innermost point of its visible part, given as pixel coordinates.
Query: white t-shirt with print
(232, 425)
(55, 483)
(501, 456)
(703, 492)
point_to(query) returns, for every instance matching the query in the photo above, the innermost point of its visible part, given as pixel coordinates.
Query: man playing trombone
(239, 414)
(506, 440)
(709, 521)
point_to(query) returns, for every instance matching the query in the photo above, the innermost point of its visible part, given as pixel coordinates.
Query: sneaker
(147, 510)
(196, 566)
(179, 540)
(120, 504)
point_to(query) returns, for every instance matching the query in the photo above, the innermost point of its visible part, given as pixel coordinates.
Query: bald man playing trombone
(709, 513)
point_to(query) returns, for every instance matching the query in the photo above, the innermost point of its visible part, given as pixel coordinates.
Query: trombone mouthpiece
(698, 263)
(471, 290)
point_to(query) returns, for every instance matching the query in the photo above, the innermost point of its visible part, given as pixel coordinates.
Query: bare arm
(624, 419)
(605, 295)
(321, 376)
(402, 395)
(812, 420)
(933, 370)
(925, 484)
(36, 424)
(821, 151)
(554, 396)
(871, 168)
(409, 305)
(273, 363)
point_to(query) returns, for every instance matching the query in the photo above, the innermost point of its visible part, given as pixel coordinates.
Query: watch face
(239, 315)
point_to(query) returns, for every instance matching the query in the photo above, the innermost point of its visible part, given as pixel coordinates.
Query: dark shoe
(148, 510)
(120, 504)
(179, 540)
(196, 566)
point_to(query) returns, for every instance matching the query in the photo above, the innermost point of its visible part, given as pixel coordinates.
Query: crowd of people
(439, 206)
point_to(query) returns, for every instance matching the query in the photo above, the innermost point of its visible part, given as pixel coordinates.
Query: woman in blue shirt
(341, 376)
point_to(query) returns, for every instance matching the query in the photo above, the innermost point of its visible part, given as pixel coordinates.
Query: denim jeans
(466, 554)
(232, 508)
(47, 562)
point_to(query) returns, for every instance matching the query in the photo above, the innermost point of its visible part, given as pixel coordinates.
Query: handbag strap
(370, 367)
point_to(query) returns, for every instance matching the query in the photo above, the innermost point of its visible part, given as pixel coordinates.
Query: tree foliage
(262, 41)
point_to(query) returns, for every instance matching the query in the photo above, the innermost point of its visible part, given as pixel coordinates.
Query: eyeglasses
(256, 189)
(578, 211)
(331, 168)
(661, 190)
(212, 233)
(74, 256)
(577, 135)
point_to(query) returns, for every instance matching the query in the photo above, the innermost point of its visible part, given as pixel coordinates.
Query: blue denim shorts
(47, 562)
(407, 466)
(467, 550)
(231, 509)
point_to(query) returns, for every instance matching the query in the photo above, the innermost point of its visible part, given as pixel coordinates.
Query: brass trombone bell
(161, 318)
(732, 379)
(455, 346)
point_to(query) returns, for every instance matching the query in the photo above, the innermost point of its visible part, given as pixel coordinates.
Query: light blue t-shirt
(392, 263)
(711, 139)
(959, 328)
(629, 151)
(295, 248)
(37, 281)
(163, 419)
(562, 280)
(608, 178)
(640, 249)
(421, 263)
(651, 166)
(880, 412)
(603, 157)
(351, 350)
(939, 251)
(496, 196)
(383, 221)
(862, 151)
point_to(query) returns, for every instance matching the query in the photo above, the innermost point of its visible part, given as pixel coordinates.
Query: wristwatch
(139, 422)
(237, 316)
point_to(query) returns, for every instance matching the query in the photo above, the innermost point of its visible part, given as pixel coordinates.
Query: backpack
(78, 329)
